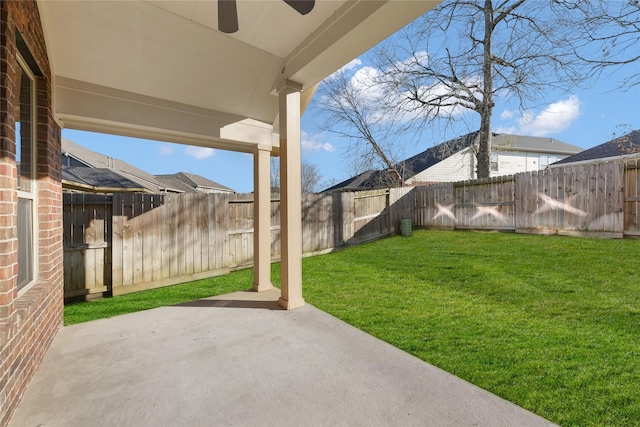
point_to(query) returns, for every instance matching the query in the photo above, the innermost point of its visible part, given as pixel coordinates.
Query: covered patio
(177, 71)
(172, 71)
(225, 74)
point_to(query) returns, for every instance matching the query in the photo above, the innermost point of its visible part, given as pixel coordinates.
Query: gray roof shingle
(98, 178)
(174, 183)
(96, 160)
(503, 141)
(369, 180)
(621, 146)
(193, 181)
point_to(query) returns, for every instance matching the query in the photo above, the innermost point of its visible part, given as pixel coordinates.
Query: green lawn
(549, 323)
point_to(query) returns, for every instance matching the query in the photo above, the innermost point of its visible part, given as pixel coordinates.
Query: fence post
(116, 242)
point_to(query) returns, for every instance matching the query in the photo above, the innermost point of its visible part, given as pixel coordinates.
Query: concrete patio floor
(238, 360)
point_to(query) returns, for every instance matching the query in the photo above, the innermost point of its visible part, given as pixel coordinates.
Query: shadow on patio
(219, 361)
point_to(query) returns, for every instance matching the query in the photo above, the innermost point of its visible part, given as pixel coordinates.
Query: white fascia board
(85, 106)
(595, 161)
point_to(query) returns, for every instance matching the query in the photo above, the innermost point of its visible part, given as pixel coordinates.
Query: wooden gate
(87, 244)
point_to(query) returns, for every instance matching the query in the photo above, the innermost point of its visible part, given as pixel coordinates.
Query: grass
(549, 323)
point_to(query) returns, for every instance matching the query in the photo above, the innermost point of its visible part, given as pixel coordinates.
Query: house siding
(458, 167)
(510, 162)
(461, 166)
(29, 320)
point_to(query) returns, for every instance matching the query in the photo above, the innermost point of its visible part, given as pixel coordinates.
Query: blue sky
(584, 117)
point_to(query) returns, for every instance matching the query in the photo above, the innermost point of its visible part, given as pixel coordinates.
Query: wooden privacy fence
(597, 199)
(126, 242)
(129, 242)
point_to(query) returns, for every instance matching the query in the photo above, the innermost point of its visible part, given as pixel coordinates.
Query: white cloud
(312, 143)
(166, 149)
(355, 63)
(199, 152)
(442, 91)
(557, 117)
(364, 81)
(507, 114)
(506, 129)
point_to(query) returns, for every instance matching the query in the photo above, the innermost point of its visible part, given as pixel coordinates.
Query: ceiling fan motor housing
(228, 12)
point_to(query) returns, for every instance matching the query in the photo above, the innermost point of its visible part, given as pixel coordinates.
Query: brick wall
(29, 321)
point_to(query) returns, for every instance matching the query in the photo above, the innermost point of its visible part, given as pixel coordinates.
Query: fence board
(189, 233)
(632, 197)
(87, 244)
(137, 242)
(222, 226)
(210, 207)
(347, 211)
(159, 229)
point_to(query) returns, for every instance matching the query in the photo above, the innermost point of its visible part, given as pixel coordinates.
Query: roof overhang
(87, 188)
(161, 70)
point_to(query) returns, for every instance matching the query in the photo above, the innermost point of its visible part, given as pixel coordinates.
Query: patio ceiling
(162, 70)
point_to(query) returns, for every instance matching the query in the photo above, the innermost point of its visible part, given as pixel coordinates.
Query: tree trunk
(386, 160)
(484, 144)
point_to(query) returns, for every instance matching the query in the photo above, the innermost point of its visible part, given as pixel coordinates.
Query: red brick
(40, 307)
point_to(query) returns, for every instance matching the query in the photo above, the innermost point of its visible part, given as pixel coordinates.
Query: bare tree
(353, 110)
(463, 54)
(607, 36)
(274, 179)
(310, 176)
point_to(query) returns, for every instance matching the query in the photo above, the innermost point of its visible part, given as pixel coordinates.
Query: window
(494, 162)
(25, 117)
(546, 160)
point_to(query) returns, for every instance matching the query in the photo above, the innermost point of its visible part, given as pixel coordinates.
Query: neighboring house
(455, 160)
(626, 145)
(192, 183)
(97, 180)
(104, 172)
(87, 171)
(369, 180)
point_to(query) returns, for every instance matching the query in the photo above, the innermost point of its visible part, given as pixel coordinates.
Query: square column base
(262, 287)
(290, 305)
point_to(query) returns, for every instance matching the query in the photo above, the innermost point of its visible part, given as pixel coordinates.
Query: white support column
(262, 219)
(290, 196)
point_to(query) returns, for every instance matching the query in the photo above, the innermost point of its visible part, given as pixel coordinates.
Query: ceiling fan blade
(301, 6)
(227, 16)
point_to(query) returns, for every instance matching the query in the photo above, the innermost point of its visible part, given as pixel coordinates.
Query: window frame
(32, 193)
(494, 160)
